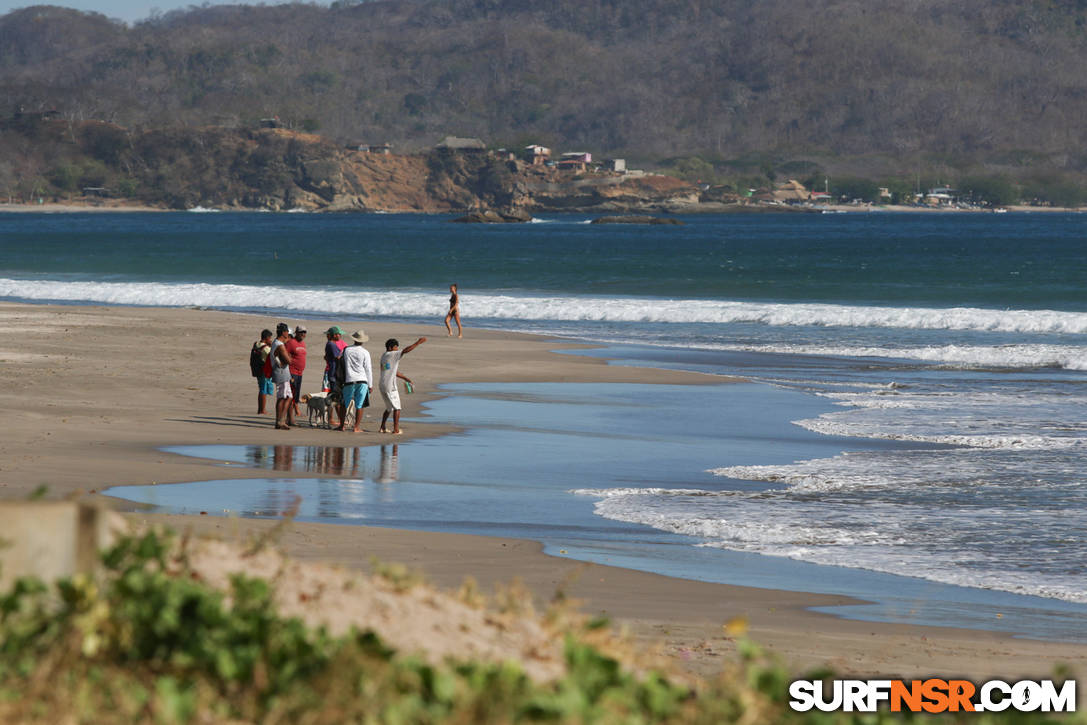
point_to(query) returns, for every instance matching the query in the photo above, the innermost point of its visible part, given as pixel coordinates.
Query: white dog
(317, 405)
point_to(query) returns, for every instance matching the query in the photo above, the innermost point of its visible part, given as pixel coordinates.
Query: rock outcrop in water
(491, 216)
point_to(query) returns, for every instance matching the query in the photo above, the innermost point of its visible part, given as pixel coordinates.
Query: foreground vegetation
(147, 642)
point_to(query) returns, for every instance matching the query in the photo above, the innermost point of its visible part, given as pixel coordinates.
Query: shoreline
(73, 436)
(701, 208)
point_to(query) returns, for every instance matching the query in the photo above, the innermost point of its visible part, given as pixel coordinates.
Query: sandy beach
(77, 207)
(94, 392)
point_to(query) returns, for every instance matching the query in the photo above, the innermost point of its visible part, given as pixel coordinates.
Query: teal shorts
(356, 392)
(265, 386)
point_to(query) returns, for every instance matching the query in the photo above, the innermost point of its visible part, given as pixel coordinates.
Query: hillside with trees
(908, 93)
(277, 169)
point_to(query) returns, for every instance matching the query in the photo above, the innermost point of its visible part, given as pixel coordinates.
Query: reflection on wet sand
(344, 498)
(337, 461)
(390, 464)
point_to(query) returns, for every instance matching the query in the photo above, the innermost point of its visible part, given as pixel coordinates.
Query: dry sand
(72, 207)
(94, 391)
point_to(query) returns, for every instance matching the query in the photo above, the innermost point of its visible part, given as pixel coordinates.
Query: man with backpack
(333, 351)
(258, 366)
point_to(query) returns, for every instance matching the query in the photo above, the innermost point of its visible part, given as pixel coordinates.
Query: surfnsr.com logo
(932, 695)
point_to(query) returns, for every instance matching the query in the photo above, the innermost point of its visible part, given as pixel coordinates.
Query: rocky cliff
(280, 169)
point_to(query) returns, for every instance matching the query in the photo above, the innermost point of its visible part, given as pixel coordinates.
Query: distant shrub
(850, 188)
(414, 103)
(800, 169)
(104, 142)
(93, 173)
(1054, 191)
(128, 187)
(993, 190)
(692, 168)
(64, 177)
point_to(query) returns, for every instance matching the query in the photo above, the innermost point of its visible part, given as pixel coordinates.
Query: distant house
(371, 148)
(941, 195)
(619, 165)
(462, 145)
(272, 122)
(790, 191)
(50, 114)
(537, 155)
(575, 160)
(820, 196)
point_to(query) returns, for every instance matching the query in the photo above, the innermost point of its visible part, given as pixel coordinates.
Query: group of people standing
(349, 376)
(278, 362)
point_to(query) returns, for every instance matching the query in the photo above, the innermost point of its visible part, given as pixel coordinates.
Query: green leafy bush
(148, 642)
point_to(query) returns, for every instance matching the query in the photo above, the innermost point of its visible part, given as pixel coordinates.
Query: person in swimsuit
(454, 311)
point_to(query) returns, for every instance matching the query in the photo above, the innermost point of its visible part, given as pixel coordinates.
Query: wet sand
(94, 392)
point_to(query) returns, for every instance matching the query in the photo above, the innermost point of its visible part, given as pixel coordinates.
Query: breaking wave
(586, 308)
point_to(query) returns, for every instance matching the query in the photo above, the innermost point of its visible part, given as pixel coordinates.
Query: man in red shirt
(296, 348)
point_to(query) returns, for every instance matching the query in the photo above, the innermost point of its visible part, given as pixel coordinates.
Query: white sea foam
(956, 356)
(845, 526)
(611, 492)
(1013, 418)
(561, 308)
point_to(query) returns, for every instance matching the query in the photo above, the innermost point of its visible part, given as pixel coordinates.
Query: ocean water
(962, 338)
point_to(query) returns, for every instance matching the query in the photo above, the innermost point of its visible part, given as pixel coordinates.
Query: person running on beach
(358, 378)
(390, 364)
(296, 348)
(454, 311)
(281, 377)
(265, 388)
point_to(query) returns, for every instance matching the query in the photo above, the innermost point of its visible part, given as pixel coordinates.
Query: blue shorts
(265, 386)
(355, 392)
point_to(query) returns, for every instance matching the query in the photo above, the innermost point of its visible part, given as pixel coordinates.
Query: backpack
(256, 361)
(340, 373)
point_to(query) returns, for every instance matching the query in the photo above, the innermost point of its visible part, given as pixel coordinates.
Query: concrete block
(50, 540)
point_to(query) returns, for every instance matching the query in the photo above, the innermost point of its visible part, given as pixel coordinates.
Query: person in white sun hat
(358, 378)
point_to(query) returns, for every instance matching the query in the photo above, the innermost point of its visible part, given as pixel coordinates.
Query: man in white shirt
(390, 371)
(358, 378)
